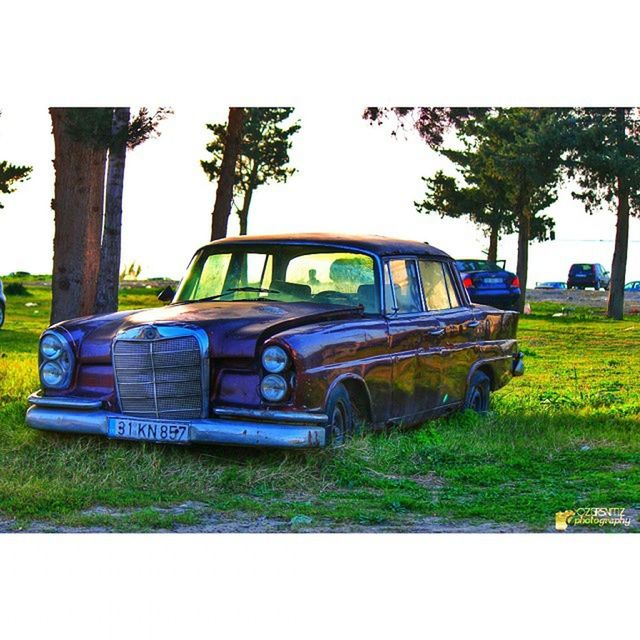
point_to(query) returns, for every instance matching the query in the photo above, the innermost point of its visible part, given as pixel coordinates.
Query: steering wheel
(321, 295)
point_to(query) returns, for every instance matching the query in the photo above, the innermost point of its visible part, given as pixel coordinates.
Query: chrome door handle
(473, 324)
(436, 332)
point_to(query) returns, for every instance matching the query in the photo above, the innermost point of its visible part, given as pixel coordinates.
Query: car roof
(379, 245)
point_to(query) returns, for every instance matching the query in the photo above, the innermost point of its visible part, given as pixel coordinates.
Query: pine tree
(263, 156)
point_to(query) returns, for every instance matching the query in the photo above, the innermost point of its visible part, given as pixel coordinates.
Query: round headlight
(275, 359)
(51, 346)
(52, 374)
(56, 361)
(273, 388)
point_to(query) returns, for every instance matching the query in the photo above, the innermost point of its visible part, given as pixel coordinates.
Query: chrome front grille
(162, 372)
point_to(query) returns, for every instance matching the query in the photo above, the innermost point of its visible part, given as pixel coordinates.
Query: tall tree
(263, 156)
(77, 204)
(124, 133)
(82, 137)
(605, 159)
(226, 179)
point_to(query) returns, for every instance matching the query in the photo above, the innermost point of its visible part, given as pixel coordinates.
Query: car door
(453, 344)
(407, 322)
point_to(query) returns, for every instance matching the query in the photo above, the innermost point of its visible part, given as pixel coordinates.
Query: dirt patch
(185, 507)
(580, 298)
(430, 481)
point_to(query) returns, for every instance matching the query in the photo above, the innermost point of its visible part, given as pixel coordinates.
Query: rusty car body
(291, 341)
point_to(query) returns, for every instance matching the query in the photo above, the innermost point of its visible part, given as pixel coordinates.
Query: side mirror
(167, 294)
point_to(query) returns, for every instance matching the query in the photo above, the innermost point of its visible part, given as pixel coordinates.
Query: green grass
(565, 435)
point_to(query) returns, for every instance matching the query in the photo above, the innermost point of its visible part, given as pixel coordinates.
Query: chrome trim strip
(214, 431)
(270, 415)
(155, 382)
(67, 402)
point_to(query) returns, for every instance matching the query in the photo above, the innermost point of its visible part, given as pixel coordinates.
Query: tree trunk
(226, 181)
(109, 273)
(524, 233)
(615, 303)
(78, 200)
(494, 231)
(243, 214)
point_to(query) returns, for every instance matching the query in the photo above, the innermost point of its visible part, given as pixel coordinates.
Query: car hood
(233, 328)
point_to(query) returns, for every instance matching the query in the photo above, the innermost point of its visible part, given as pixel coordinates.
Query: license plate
(149, 430)
(493, 280)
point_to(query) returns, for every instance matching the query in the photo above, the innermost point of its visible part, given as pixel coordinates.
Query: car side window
(454, 300)
(439, 290)
(404, 280)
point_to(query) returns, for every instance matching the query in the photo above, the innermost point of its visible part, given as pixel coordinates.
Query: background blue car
(489, 283)
(551, 285)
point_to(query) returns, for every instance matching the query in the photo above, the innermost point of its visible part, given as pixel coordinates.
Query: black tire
(597, 286)
(341, 419)
(479, 393)
(1, 314)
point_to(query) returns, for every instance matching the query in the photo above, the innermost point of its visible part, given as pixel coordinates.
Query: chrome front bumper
(231, 426)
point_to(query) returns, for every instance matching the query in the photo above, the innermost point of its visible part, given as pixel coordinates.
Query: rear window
(477, 265)
(581, 268)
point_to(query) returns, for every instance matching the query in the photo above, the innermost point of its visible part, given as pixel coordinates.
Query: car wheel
(479, 393)
(597, 286)
(341, 420)
(1, 314)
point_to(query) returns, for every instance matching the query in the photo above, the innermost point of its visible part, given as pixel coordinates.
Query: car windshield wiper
(235, 290)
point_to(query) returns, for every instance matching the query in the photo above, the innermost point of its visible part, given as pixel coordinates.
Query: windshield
(477, 265)
(281, 273)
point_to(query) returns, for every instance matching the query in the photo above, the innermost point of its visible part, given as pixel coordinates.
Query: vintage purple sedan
(288, 341)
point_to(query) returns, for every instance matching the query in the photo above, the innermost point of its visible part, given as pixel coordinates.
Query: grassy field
(565, 435)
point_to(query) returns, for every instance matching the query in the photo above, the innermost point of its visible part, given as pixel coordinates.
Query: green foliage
(485, 196)
(10, 176)
(16, 289)
(264, 151)
(145, 125)
(604, 149)
(519, 154)
(92, 125)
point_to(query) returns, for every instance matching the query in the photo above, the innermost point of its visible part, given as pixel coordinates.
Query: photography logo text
(592, 516)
